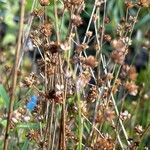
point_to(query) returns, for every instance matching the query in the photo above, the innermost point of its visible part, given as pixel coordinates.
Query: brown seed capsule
(107, 37)
(106, 20)
(89, 33)
(132, 73)
(90, 61)
(46, 29)
(44, 2)
(132, 88)
(104, 143)
(118, 44)
(81, 47)
(118, 55)
(76, 2)
(129, 4)
(93, 94)
(144, 3)
(76, 20)
(37, 12)
(139, 129)
(54, 47)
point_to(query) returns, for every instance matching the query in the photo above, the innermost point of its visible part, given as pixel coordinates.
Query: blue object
(32, 103)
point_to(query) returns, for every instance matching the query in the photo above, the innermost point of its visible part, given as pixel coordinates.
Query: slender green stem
(56, 21)
(80, 122)
(135, 21)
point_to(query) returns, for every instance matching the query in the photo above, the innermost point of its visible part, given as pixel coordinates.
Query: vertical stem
(80, 121)
(127, 14)
(56, 21)
(63, 120)
(50, 126)
(14, 81)
(103, 23)
(90, 21)
(135, 21)
(62, 80)
(26, 34)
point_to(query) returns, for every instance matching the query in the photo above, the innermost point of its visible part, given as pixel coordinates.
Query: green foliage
(8, 12)
(26, 145)
(4, 98)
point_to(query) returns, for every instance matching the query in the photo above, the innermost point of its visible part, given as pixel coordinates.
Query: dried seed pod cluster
(81, 77)
(118, 55)
(44, 2)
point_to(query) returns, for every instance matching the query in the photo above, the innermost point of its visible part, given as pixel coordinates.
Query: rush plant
(77, 90)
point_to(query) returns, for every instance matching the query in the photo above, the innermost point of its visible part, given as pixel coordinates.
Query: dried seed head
(99, 3)
(77, 2)
(105, 114)
(107, 20)
(125, 115)
(109, 114)
(46, 29)
(104, 143)
(107, 38)
(84, 108)
(104, 78)
(54, 47)
(69, 133)
(118, 55)
(7, 68)
(26, 118)
(118, 44)
(128, 27)
(18, 115)
(37, 13)
(139, 129)
(89, 33)
(65, 46)
(95, 17)
(106, 93)
(101, 82)
(127, 71)
(34, 35)
(76, 20)
(129, 4)
(83, 80)
(132, 88)
(81, 47)
(33, 135)
(109, 76)
(67, 5)
(93, 94)
(146, 96)
(89, 61)
(132, 73)
(134, 145)
(124, 71)
(43, 144)
(55, 96)
(22, 110)
(127, 41)
(44, 2)
(116, 85)
(31, 80)
(144, 3)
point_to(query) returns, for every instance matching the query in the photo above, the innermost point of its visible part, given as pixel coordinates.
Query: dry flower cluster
(80, 94)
